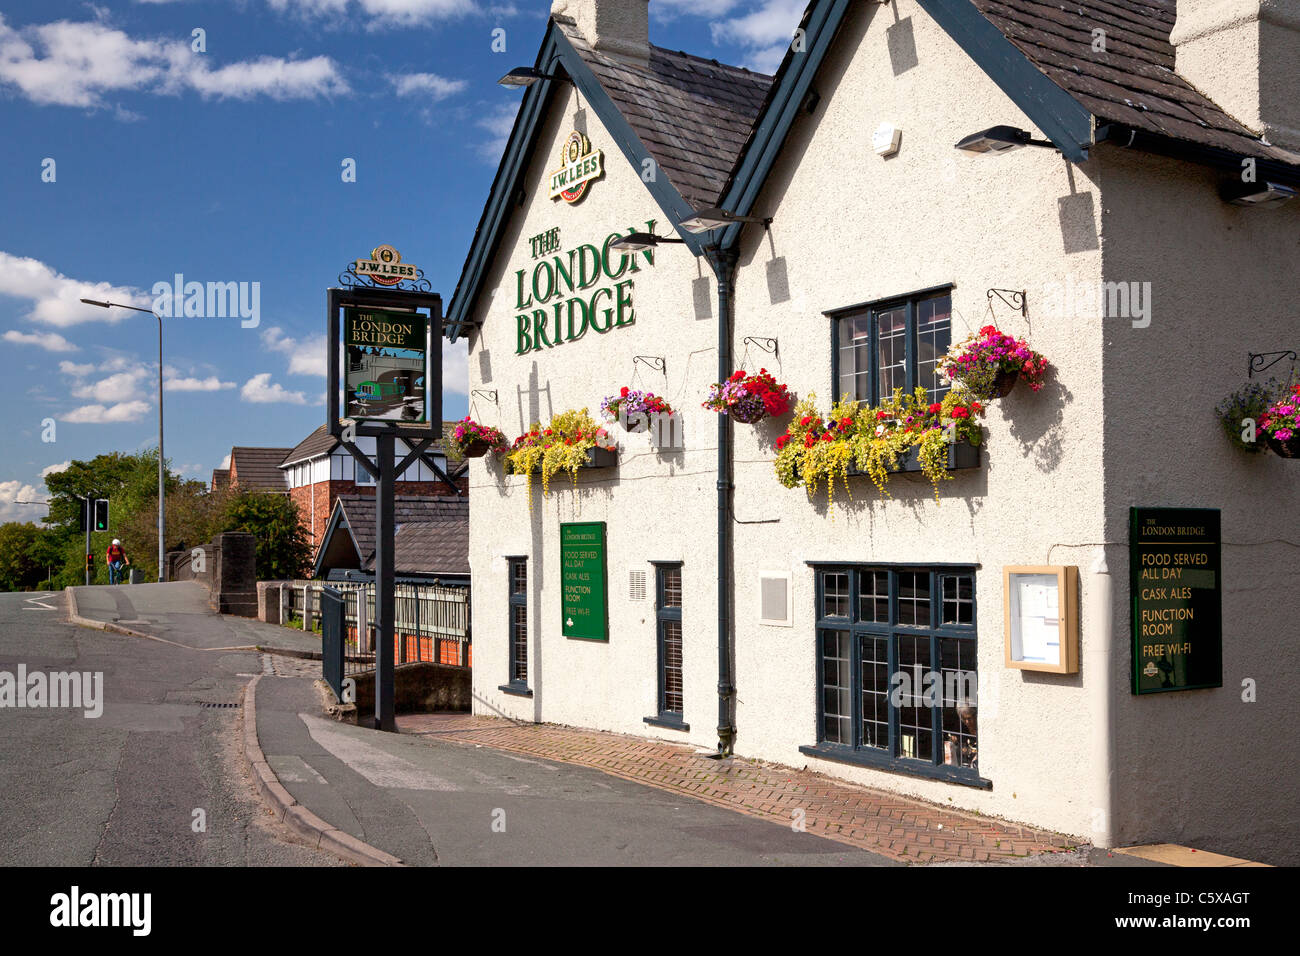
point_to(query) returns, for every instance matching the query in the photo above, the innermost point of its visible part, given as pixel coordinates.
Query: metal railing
(431, 623)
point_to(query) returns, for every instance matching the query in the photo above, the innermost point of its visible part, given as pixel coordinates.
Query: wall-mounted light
(638, 241)
(1000, 139)
(715, 217)
(527, 76)
(1256, 194)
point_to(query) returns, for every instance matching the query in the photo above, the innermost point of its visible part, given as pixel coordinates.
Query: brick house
(319, 470)
(255, 469)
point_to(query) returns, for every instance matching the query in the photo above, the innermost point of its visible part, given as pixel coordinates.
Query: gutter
(1126, 137)
(723, 262)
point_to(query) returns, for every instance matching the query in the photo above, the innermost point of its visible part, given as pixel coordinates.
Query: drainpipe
(1097, 674)
(724, 267)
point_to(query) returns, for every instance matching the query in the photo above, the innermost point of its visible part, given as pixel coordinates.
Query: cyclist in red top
(116, 559)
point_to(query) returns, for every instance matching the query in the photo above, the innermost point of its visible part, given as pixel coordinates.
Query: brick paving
(897, 827)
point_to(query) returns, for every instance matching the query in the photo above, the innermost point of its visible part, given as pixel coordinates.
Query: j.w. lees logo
(385, 266)
(581, 164)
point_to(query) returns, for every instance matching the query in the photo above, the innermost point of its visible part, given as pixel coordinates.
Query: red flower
(936, 408)
(976, 406)
(845, 422)
(881, 416)
(548, 432)
(809, 440)
(827, 436)
(989, 330)
(782, 442)
(960, 412)
(805, 420)
(623, 392)
(737, 376)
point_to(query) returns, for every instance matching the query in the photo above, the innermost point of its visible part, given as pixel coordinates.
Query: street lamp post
(162, 520)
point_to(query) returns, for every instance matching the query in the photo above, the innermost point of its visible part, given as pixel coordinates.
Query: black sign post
(1175, 569)
(375, 312)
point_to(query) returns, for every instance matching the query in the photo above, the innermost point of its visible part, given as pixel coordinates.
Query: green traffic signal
(101, 514)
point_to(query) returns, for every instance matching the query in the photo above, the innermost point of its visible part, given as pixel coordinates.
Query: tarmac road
(121, 789)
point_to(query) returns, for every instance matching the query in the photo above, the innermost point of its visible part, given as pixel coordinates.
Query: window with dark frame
(518, 574)
(892, 344)
(896, 649)
(668, 622)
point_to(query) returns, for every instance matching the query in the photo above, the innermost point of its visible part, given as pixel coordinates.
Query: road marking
(358, 749)
(39, 605)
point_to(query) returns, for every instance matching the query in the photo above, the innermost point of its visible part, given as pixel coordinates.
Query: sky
(261, 142)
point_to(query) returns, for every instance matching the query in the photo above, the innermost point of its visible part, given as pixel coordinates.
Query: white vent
(636, 585)
(774, 598)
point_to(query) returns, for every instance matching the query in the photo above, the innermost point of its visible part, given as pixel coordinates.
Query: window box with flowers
(634, 409)
(906, 433)
(989, 364)
(1280, 424)
(571, 441)
(749, 398)
(469, 439)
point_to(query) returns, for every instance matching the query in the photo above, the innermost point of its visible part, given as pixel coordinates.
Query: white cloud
(260, 390)
(55, 469)
(12, 492)
(76, 64)
(225, 463)
(455, 367)
(56, 298)
(306, 356)
(114, 389)
(79, 371)
(267, 76)
(209, 384)
(50, 341)
(764, 33)
(499, 121)
(426, 85)
(381, 13)
(104, 415)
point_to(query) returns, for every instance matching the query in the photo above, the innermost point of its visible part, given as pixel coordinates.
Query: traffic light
(90, 562)
(101, 514)
(84, 506)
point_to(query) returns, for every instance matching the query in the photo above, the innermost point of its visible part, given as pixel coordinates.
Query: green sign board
(583, 601)
(387, 356)
(1177, 590)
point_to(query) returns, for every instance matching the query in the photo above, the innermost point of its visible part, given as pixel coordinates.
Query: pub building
(1108, 183)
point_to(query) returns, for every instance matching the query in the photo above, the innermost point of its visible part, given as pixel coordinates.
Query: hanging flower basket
(749, 398)
(1286, 449)
(1004, 382)
(633, 409)
(1280, 424)
(469, 439)
(989, 364)
(1251, 401)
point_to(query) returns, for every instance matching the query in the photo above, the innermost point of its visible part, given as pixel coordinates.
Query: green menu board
(583, 599)
(1177, 592)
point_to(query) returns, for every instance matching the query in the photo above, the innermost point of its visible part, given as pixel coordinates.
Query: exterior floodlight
(1257, 194)
(527, 76)
(714, 217)
(637, 241)
(1000, 139)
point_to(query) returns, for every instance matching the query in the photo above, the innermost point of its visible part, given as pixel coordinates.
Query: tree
(20, 568)
(283, 551)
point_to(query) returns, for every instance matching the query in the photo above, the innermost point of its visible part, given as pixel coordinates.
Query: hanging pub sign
(384, 350)
(580, 164)
(387, 359)
(583, 601)
(1177, 592)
